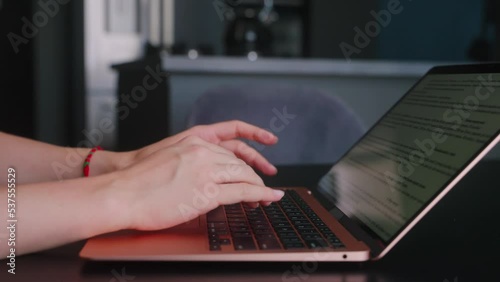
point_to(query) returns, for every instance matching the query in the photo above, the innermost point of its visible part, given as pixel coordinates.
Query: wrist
(121, 194)
(114, 197)
(104, 162)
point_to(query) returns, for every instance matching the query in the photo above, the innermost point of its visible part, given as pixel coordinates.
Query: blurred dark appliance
(267, 27)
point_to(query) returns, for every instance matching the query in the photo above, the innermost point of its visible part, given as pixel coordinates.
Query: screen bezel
(357, 227)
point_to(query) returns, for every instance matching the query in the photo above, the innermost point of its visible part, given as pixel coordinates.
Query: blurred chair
(313, 127)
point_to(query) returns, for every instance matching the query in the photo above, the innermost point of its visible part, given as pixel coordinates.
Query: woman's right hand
(187, 179)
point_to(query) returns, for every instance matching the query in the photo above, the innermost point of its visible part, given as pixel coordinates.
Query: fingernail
(279, 193)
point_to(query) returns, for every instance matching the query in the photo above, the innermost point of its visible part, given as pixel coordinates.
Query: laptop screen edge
(379, 247)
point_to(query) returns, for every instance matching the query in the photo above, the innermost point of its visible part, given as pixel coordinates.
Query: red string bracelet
(86, 164)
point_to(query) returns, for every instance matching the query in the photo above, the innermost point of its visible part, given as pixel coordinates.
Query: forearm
(56, 213)
(45, 162)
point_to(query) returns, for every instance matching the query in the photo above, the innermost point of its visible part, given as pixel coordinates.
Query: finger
(243, 192)
(250, 156)
(235, 173)
(237, 129)
(265, 204)
(252, 205)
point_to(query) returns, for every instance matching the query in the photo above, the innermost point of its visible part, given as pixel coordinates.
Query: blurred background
(74, 70)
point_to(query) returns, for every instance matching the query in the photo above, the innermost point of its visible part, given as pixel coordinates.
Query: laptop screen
(415, 150)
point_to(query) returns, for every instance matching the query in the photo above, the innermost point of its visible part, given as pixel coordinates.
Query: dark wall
(59, 76)
(333, 23)
(438, 30)
(16, 71)
(41, 73)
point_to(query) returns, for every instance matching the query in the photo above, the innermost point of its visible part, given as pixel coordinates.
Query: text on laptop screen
(415, 150)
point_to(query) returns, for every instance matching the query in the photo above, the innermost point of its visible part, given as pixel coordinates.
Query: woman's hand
(224, 134)
(179, 182)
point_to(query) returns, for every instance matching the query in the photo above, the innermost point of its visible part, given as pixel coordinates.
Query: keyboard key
(298, 222)
(261, 226)
(304, 226)
(277, 216)
(283, 224)
(293, 246)
(241, 234)
(216, 215)
(215, 247)
(256, 217)
(263, 231)
(317, 243)
(334, 240)
(274, 222)
(265, 236)
(225, 242)
(270, 244)
(283, 229)
(217, 232)
(338, 246)
(288, 235)
(291, 240)
(237, 224)
(228, 212)
(216, 224)
(253, 222)
(239, 228)
(308, 231)
(243, 243)
(274, 212)
(311, 236)
(236, 215)
(236, 219)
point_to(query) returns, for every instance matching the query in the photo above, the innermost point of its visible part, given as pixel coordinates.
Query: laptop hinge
(375, 245)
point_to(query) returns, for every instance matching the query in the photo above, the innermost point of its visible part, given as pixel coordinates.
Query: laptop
(367, 202)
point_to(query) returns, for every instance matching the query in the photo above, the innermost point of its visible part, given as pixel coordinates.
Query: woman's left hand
(224, 134)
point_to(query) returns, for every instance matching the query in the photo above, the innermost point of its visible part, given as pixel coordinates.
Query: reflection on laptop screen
(415, 151)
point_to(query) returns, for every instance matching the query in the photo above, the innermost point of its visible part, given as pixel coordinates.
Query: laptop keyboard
(287, 224)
